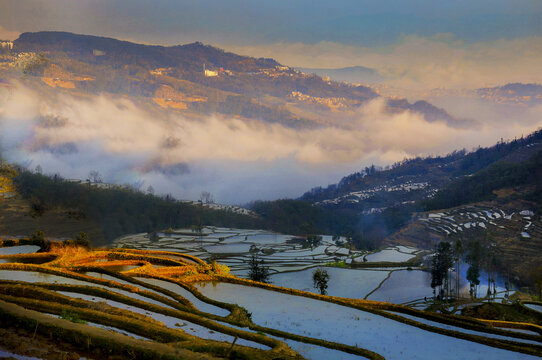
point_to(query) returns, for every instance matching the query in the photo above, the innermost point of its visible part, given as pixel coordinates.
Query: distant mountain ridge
(198, 79)
(420, 178)
(353, 74)
(108, 50)
(514, 93)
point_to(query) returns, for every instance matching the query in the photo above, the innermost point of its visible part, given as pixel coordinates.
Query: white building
(209, 73)
(6, 44)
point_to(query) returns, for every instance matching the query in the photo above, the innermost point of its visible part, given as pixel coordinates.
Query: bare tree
(137, 185)
(206, 198)
(95, 177)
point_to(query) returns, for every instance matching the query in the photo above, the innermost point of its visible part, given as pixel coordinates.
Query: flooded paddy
(17, 250)
(291, 264)
(235, 247)
(313, 318)
(350, 283)
(389, 255)
(314, 328)
(535, 307)
(168, 321)
(200, 305)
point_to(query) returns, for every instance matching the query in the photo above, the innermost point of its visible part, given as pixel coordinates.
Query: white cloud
(421, 62)
(236, 160)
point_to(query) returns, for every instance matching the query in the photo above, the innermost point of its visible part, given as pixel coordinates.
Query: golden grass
(514, 325)
(52, 82)
(6, 185)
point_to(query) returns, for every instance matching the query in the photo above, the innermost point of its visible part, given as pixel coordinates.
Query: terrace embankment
(105, 287)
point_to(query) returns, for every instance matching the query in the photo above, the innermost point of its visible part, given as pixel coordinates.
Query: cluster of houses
(6, 45)
(358, 196)
(278, 70)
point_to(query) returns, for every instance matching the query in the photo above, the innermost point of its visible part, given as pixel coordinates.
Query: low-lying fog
(234, 160)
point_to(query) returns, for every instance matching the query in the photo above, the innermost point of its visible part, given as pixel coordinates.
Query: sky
(352, 22)
(413, 44)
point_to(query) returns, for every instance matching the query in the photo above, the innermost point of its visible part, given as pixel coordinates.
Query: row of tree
(122, 210)
(480, 254)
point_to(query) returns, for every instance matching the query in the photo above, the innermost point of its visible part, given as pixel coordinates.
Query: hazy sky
(353, 22)
(481, 42)
(411, 43)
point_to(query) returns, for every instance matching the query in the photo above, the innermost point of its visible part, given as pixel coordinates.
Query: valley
(183, 201)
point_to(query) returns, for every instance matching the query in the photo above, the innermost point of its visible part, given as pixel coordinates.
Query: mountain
(513, 94)
(493, 192)
(63, 208)
(352, 74)
(373, 190)
(194, 79)
(101, 50)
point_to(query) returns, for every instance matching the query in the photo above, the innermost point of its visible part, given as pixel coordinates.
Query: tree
(458, 252)
(473, 274)
(313, 240)
(150, 190)
(81, 239)
(198, 228)
(440, 265)
(38, 235)
(258, 271)
(436, 276)
(320, 278)
(537, 277)
(474, 257)
(95, 177)
(38, 238)
(153, 237)
(206, 198)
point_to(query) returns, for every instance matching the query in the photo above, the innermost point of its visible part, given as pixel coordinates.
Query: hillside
(512, 96)
(491, 193)
(61, 209)
(194, 80)
(418, 178)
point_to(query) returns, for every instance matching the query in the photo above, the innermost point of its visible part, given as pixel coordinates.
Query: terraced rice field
(234, 247)
(154, 303)
(291, 265)
(483, 217)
